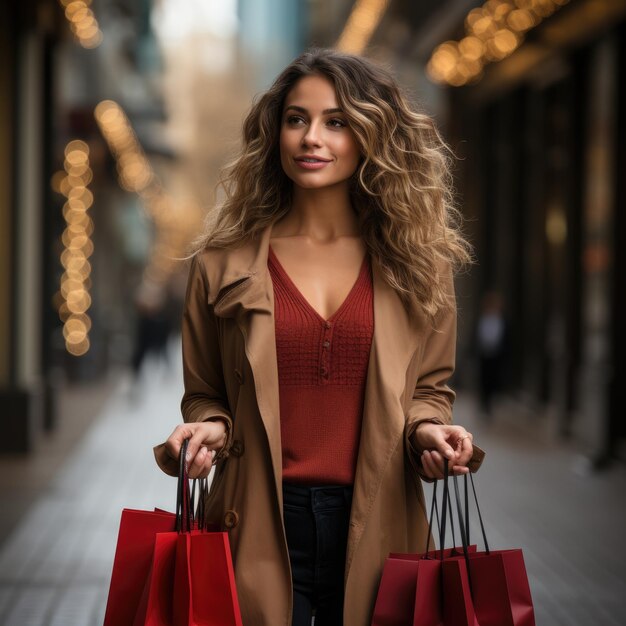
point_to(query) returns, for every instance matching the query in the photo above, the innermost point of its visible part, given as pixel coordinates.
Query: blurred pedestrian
(491, 342)
(318, 338)
(153, 325)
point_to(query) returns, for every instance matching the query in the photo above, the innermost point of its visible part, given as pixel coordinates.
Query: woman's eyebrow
(303, 110)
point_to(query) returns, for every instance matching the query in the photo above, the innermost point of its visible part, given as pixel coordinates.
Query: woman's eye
(294, 119)
(336, 123)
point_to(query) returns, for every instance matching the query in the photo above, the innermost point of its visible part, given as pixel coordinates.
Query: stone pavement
(55, 566)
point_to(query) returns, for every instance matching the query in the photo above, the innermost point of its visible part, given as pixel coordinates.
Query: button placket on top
(326, 343)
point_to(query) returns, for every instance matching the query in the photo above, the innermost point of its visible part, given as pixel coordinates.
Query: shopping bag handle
(464, 519)
(434, 514)
(184, 515)
(185, 498)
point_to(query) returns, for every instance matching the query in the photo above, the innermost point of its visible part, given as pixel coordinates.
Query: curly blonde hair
(401, 191)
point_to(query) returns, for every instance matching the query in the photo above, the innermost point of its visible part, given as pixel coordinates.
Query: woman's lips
(311, 163)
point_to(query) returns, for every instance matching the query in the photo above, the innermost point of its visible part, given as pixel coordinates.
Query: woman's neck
(321, 214)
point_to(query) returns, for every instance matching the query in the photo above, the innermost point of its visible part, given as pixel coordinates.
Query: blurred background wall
(116, 116)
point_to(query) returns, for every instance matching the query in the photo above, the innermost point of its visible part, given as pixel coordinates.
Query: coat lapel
(244, 291)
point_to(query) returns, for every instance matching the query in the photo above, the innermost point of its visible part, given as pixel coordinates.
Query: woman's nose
(312, 137)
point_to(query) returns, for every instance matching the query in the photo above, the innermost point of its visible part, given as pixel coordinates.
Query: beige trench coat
(230, 371)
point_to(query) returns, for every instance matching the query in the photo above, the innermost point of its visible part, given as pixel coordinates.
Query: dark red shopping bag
(456, 598)
(410, 590)
(410, 581)
(500, 588)
(133, 561)
(498, 583)
(395, 602)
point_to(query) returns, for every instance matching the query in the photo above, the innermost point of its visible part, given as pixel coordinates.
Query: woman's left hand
(439, 441)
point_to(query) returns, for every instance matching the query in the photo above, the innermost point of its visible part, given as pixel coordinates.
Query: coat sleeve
(205, 390)
(432, 397)
(204, 397)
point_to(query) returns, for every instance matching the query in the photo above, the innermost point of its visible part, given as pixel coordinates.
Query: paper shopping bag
(132, 563)
(204, 584)
(498, 582)
(155, 607)
(500, 588)
(396, 599)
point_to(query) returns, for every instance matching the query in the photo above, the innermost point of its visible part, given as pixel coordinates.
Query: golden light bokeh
(73, 300)
(362, 22)
(79, 147)
(56, 181)
(521, 20)
(78, 349)
(472, 48)
(78, 301)
(175, 223)
(134, 170)
(74, 218)
(493, 31)
(67, 3)
(82, 22)
(82, 195)
(93, 42)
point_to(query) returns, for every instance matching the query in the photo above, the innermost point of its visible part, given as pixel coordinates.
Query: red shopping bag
(155, 607)
(410, 588)
(498, 583)
(132, 563)
(407, 586)
(395, 602)
(191, 582)
(500, 588)
(456, 598)
(204, 586)
(164, 562)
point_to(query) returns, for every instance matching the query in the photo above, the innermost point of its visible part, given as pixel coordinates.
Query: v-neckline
(301, 297)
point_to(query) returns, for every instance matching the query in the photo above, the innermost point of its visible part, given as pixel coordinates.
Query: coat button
(231, 519)
(239, 376)
(236, 449)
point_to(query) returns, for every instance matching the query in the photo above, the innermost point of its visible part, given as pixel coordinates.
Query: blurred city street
(56, 564)
(117, 118)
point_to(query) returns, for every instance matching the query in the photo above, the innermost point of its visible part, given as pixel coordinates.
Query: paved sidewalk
(55, 567)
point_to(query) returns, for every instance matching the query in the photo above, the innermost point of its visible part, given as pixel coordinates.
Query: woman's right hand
(205, 440)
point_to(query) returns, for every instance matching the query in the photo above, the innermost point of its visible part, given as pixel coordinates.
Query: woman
(318, 338)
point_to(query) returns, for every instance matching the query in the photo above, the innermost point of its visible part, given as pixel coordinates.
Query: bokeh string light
(363, 21)
(492, 32)
(73, 299)
(174, 223)
(82, 22)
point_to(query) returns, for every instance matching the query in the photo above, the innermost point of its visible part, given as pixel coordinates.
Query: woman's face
(317, 148)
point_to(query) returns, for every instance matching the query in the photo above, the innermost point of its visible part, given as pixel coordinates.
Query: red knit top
(322, 369)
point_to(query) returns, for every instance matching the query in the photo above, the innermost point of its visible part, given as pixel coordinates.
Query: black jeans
(316, 523)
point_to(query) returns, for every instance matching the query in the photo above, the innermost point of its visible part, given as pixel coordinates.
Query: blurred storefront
(77, 233)
(535, 106)
(26, 34)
